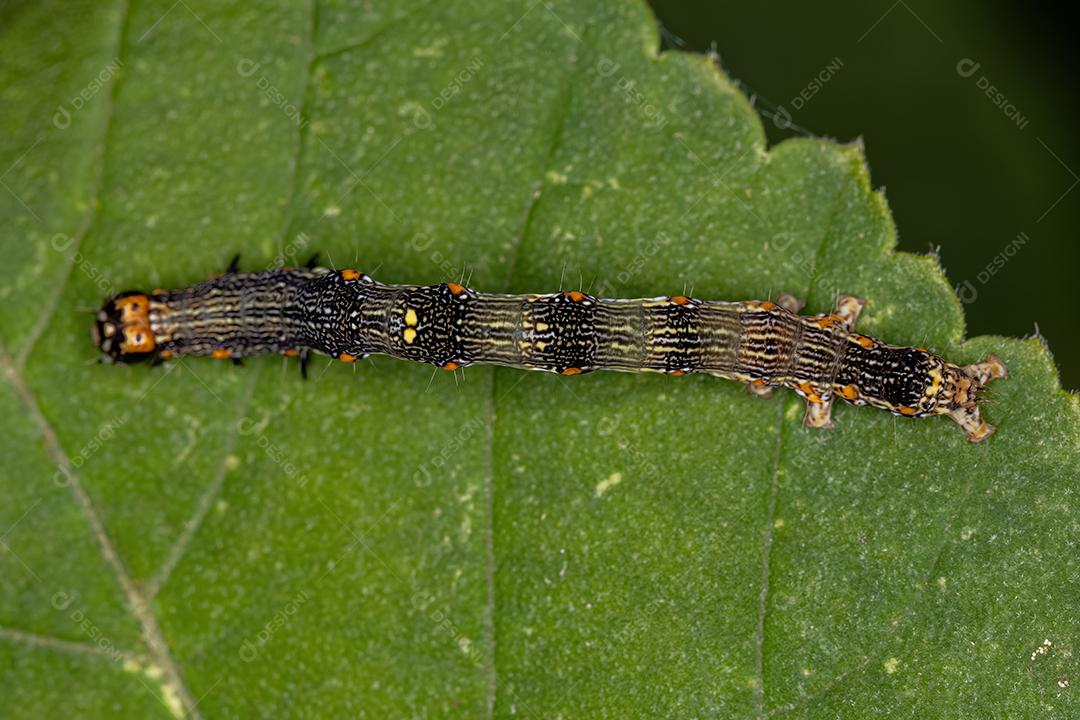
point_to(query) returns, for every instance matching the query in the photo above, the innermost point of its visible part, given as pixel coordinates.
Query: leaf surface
(210, 541)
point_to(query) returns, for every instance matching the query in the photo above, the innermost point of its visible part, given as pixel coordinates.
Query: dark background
(961, 175)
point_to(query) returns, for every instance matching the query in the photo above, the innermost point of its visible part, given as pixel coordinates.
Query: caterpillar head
(956, 392)
(122, 327)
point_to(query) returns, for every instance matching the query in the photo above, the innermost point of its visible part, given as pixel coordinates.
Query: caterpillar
(348, 315)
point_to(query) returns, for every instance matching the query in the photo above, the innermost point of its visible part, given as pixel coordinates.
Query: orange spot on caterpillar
(922, 349)
(572, 371)
(766, 305)
(759, 382)
(677, 373)
(138, 339)
(346, 357)
(808, 391)
(849, 392)
(158, 291)
(575, 296)
(455, 289)
(351, 274)
(866, 342)
(166, 355)
(905, 410)
(680, 300)
(221, 354)
(134, 308)
(291, 352)
(450, 366)
(829, 321)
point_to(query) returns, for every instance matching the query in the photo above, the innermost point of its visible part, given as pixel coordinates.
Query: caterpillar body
(348, 315)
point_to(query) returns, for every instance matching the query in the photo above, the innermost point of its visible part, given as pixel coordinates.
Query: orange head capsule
(122, 328)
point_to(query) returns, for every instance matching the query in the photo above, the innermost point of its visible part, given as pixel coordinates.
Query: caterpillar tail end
(964, 387)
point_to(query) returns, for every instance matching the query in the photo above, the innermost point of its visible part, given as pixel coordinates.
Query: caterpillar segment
(348, 315)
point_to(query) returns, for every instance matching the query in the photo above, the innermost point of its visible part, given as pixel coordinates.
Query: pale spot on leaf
(612, 480)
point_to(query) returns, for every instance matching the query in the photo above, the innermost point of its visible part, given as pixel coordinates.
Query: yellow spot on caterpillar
(221, 354)
(409, 334)
(935, 385)
(346, 357)
(891, 665)
(410, 318)
(351, 275)
(611, 481)
(542, 327)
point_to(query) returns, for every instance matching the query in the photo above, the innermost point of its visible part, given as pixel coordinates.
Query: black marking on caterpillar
(347, 315)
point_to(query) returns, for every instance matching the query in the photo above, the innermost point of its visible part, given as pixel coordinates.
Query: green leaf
(210, 541)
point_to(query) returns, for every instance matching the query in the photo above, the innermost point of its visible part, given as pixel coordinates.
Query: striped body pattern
(348, 315)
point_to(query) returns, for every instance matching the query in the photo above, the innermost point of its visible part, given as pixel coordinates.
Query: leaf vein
(137, 603)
